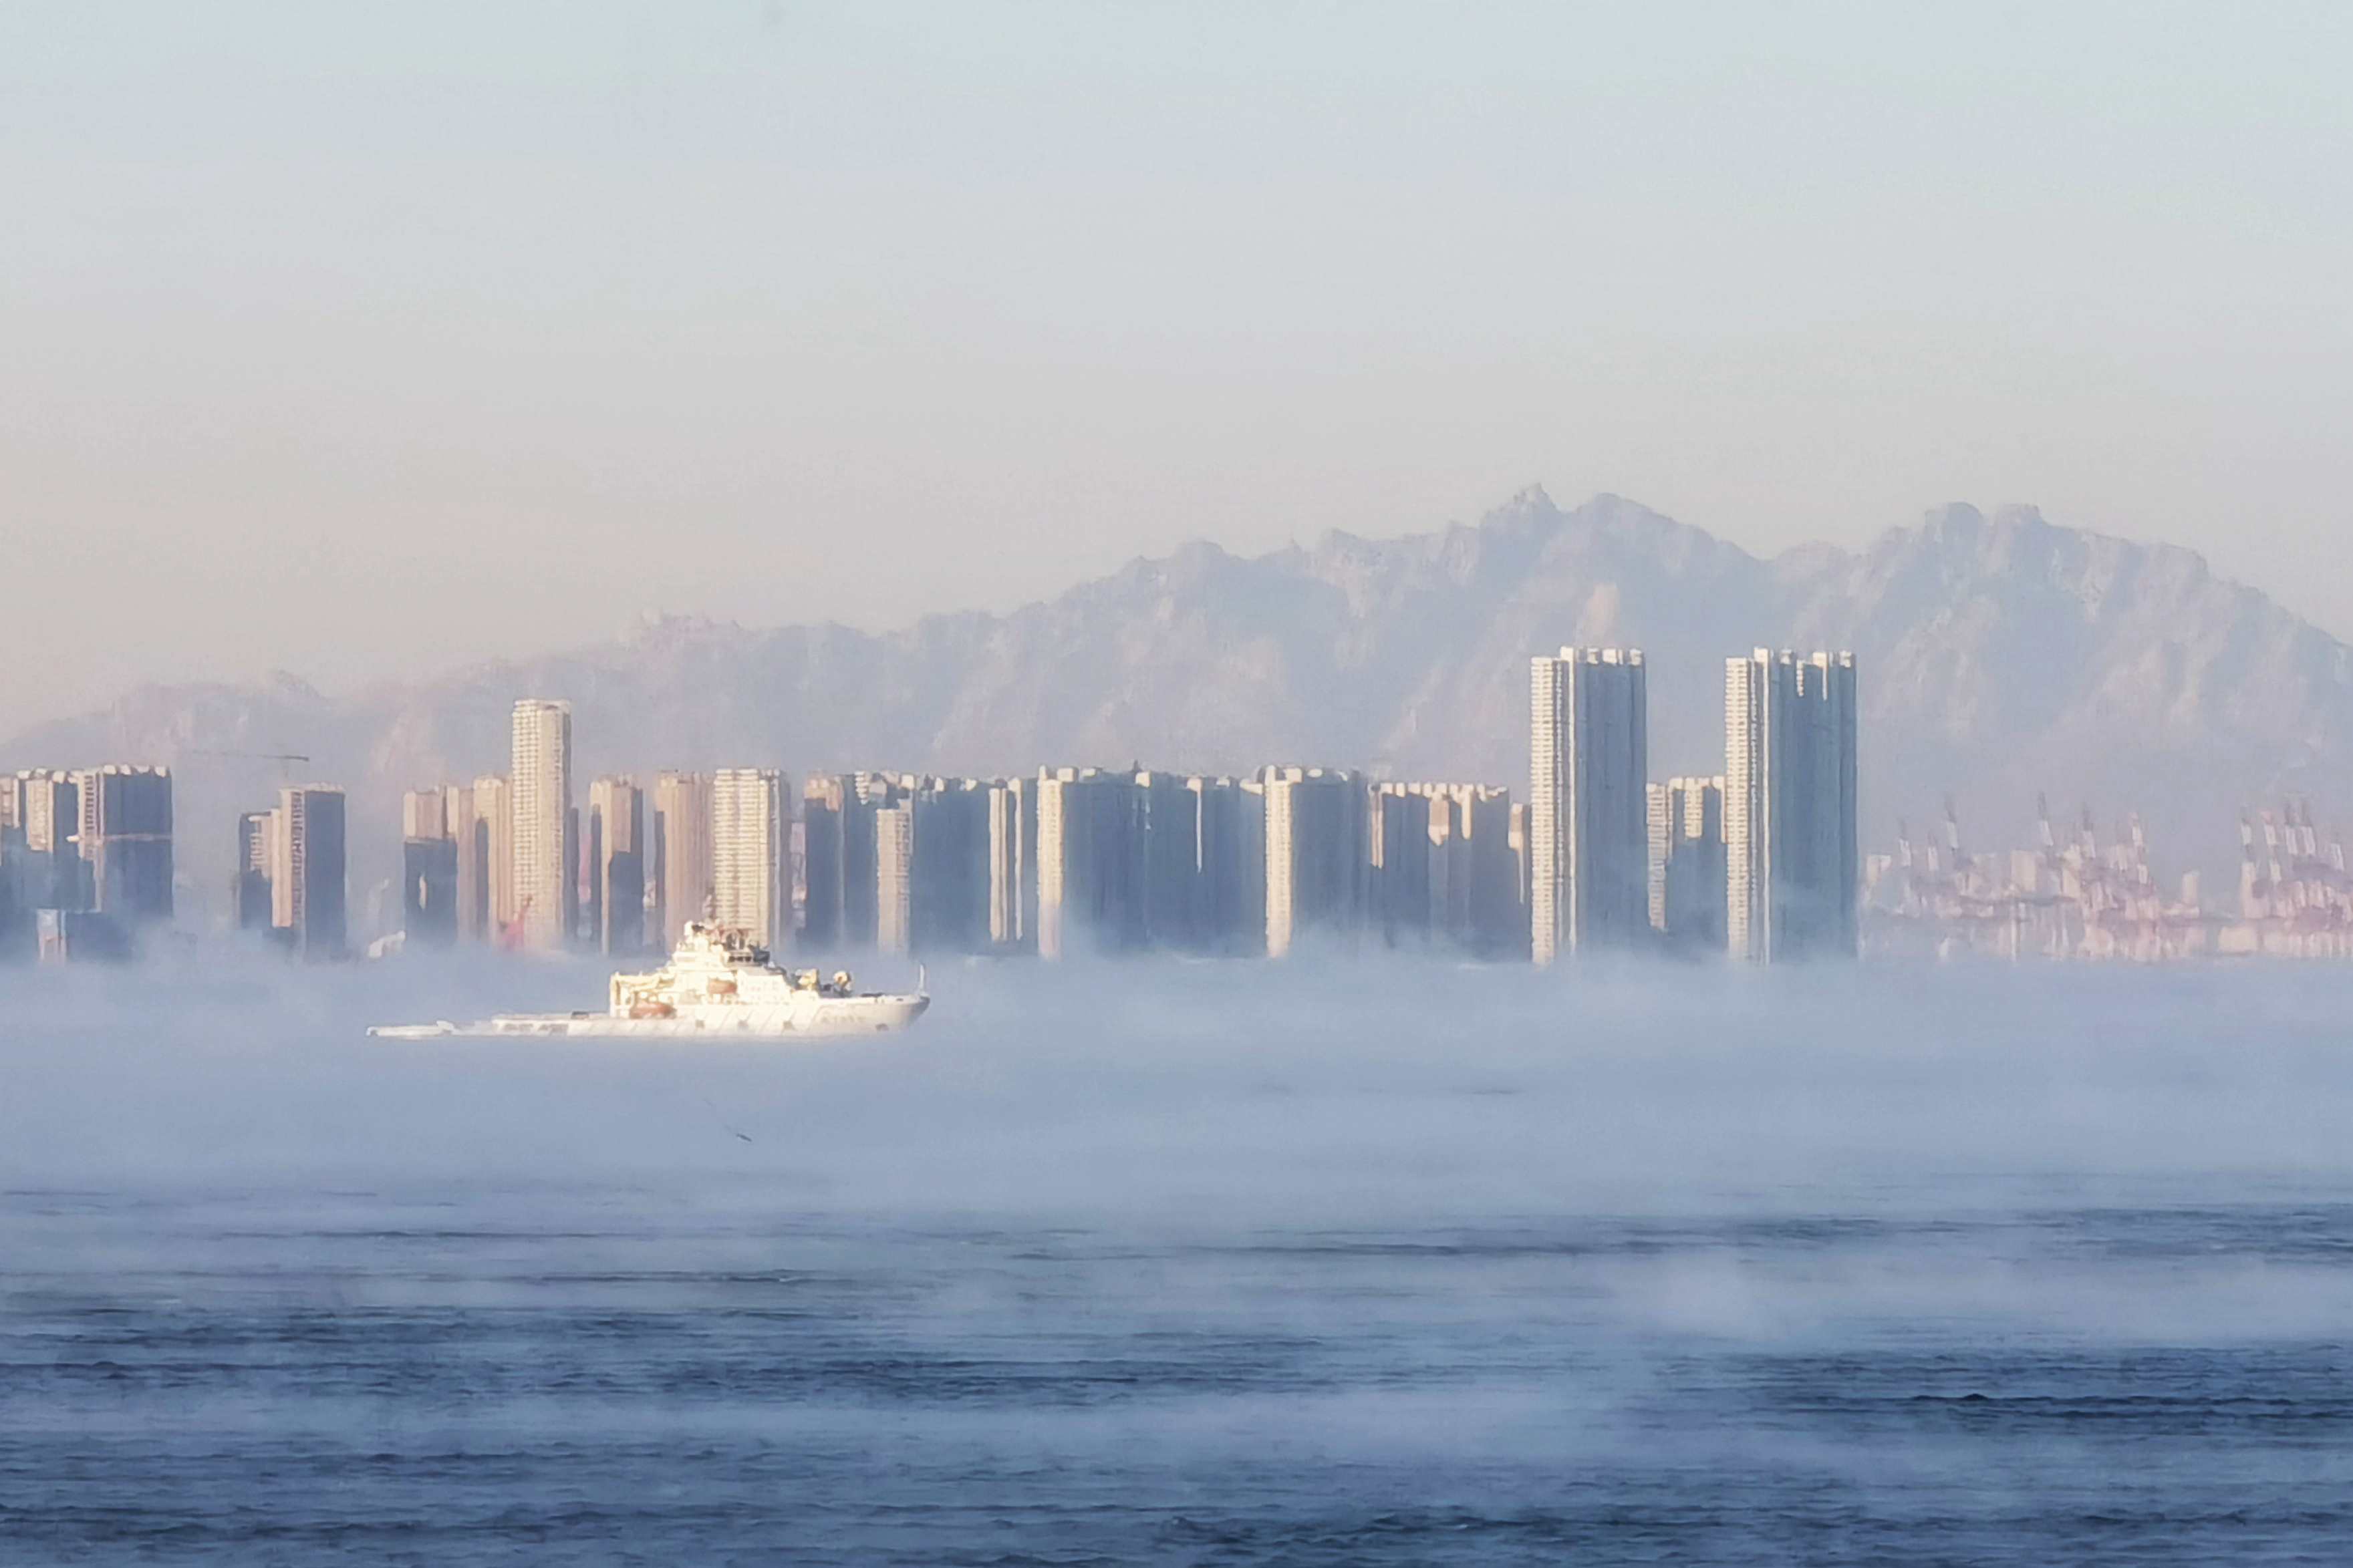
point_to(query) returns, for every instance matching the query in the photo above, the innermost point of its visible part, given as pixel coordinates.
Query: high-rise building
(1519, 841)
(1229, 831)
(1012, 862)
(750, 814)
(257, 844)
(427, 814)
(915, 864)
(1791, 865)
(871, 793)
(1410, 830)
(486, 910)
(306, 863)
(1416, 894)
(1202, 873)
(48, 870)
(617, 865)
(825, 800)
(949, 875)
(1444, 870)
(1095, 857)
(124, 836)
(48, 809)
(1318, 854)
(1687, 863)
(1059, 823)
(576, 933)
(540, 816)
(1167, 840)
(1145, 860)
(1495, 823)
(14, 913)
(1588, 835)
(430, 862)
(895, 878)
(682, 856)
(1068, 883)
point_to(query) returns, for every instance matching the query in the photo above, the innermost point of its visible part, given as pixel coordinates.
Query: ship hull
(823, 1018)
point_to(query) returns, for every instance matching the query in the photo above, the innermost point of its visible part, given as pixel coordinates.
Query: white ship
(716, 986)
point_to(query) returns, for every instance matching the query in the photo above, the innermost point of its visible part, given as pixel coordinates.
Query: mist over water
(1333, 1261)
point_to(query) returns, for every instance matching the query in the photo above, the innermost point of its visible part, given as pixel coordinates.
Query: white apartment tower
(1012, 856)
(1791, 870)
(1588, 833)
(894, 878)
(1061, 861)
(306, 864)
(751, 888)
(540, 818)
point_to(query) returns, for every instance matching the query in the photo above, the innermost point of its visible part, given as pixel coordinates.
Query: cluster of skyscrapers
(85, 859)
(86, 864)
(1760, 860)
(291, 874)
(1069, 860)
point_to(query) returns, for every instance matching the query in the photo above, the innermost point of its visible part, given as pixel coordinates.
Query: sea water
(1345, 1261)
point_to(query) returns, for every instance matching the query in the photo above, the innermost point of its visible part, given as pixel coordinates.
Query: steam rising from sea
(1381, 1261)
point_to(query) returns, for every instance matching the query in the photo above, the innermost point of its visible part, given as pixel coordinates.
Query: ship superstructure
(717, 985)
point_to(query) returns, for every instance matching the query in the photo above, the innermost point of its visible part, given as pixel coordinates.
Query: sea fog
(1347, 1259)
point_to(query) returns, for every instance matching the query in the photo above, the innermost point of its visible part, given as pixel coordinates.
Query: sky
(369, 340)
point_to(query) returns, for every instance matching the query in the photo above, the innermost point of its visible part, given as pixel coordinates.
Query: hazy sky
(363, 339)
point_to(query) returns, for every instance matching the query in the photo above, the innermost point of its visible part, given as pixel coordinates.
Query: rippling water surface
(1358, 1264)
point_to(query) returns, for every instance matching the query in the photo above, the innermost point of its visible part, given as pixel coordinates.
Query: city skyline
(1087, 859)
(2010, 657)
(1760, 863)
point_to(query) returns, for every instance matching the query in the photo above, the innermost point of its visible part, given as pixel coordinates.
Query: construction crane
(285, 759)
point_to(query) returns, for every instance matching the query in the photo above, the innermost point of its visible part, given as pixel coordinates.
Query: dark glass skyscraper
(1792, 868)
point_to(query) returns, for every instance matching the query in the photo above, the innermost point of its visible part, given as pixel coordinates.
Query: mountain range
(1998, 657)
